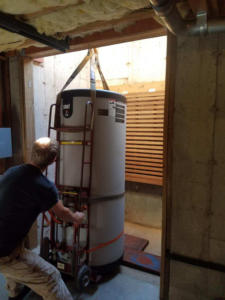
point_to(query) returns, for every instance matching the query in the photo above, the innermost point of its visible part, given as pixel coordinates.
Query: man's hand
(79, 217)
(66, 214)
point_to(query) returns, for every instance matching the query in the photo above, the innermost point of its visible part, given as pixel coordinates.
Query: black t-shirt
(24, 193)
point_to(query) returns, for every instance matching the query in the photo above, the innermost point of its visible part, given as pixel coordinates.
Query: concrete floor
(153, 235)
(126, 284)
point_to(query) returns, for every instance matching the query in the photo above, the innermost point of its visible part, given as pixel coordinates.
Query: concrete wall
(198, 177)
(144, 204)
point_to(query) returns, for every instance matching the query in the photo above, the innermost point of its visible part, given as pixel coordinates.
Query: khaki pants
(24, 267)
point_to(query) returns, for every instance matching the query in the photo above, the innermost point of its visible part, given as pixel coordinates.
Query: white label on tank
(60, 266)
(112, 108)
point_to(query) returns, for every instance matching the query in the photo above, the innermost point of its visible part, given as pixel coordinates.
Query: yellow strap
(69, 193)
(71, 142)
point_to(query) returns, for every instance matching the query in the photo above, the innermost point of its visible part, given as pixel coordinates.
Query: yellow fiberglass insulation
(73, 17)
(18, 7)
(70, 16)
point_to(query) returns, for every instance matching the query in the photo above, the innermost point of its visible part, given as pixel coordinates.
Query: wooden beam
(17, 109)
(167, 162)
(3, 58)
(29, 107)
(214, 8)
(103, 25)
(47, 11)
(142, 29)
(200, 5)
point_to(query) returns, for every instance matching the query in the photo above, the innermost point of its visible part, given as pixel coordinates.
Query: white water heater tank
(108, 165)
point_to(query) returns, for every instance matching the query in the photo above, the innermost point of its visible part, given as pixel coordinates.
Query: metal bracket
(10, 23)
(202, 22)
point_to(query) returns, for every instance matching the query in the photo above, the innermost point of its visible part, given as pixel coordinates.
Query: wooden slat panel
(148, 117)
(145, 112)
(156, 102)
(145, 135)
(144, 138)
(143, 147)
(144, 151)
(145, 121)
(139, 95)
(133, 156)
(143, 172)
(146, 106)
(144, 155)
(143, 163)
(149, 129)
(136, 142)
(149, 155)
(144, 179)
(137, 167)
(144, 143)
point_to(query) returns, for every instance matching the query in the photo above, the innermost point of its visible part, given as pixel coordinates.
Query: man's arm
(66, 214)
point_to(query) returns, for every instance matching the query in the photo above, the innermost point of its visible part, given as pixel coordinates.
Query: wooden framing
(141, 29)
(29, 106)
(198, 5)
(168, 161)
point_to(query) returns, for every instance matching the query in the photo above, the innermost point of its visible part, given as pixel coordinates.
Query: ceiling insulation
(56, 17)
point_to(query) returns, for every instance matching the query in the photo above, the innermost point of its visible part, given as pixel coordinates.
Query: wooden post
(168, 135)
(29, 106)
(17, 109)
(29, 129)
(22, 117)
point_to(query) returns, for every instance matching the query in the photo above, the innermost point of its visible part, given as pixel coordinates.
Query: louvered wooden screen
(144, 140)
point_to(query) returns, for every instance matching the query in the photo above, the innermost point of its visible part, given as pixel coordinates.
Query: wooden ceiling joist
(214, 7)
(200, 5)
(141, 29)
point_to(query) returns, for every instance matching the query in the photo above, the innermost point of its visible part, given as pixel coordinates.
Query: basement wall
(198, 170)
(144, 204)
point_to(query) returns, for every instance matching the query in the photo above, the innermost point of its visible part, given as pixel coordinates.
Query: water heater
(108, 165)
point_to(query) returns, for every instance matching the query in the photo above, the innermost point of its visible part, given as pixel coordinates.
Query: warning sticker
(112, 108)
(60, 266)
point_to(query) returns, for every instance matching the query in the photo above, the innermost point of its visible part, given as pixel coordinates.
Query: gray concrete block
(193, 140)
(217, 251)
(143, 204)
(195, 283)
(190, 195)
(189, 233)
(195, 171)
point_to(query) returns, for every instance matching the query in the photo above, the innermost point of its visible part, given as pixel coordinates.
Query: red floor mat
(135, 257)
(135, 243)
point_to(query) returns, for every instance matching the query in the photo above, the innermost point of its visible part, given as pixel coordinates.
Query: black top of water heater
(99, 93)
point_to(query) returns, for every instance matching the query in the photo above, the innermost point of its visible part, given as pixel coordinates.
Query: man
(24, 193)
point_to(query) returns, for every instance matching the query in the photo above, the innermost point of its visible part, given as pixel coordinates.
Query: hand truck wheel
(83, 277)
(44, 253)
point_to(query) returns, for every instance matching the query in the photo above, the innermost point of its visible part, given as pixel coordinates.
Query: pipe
(213, 26)
(167, 11)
